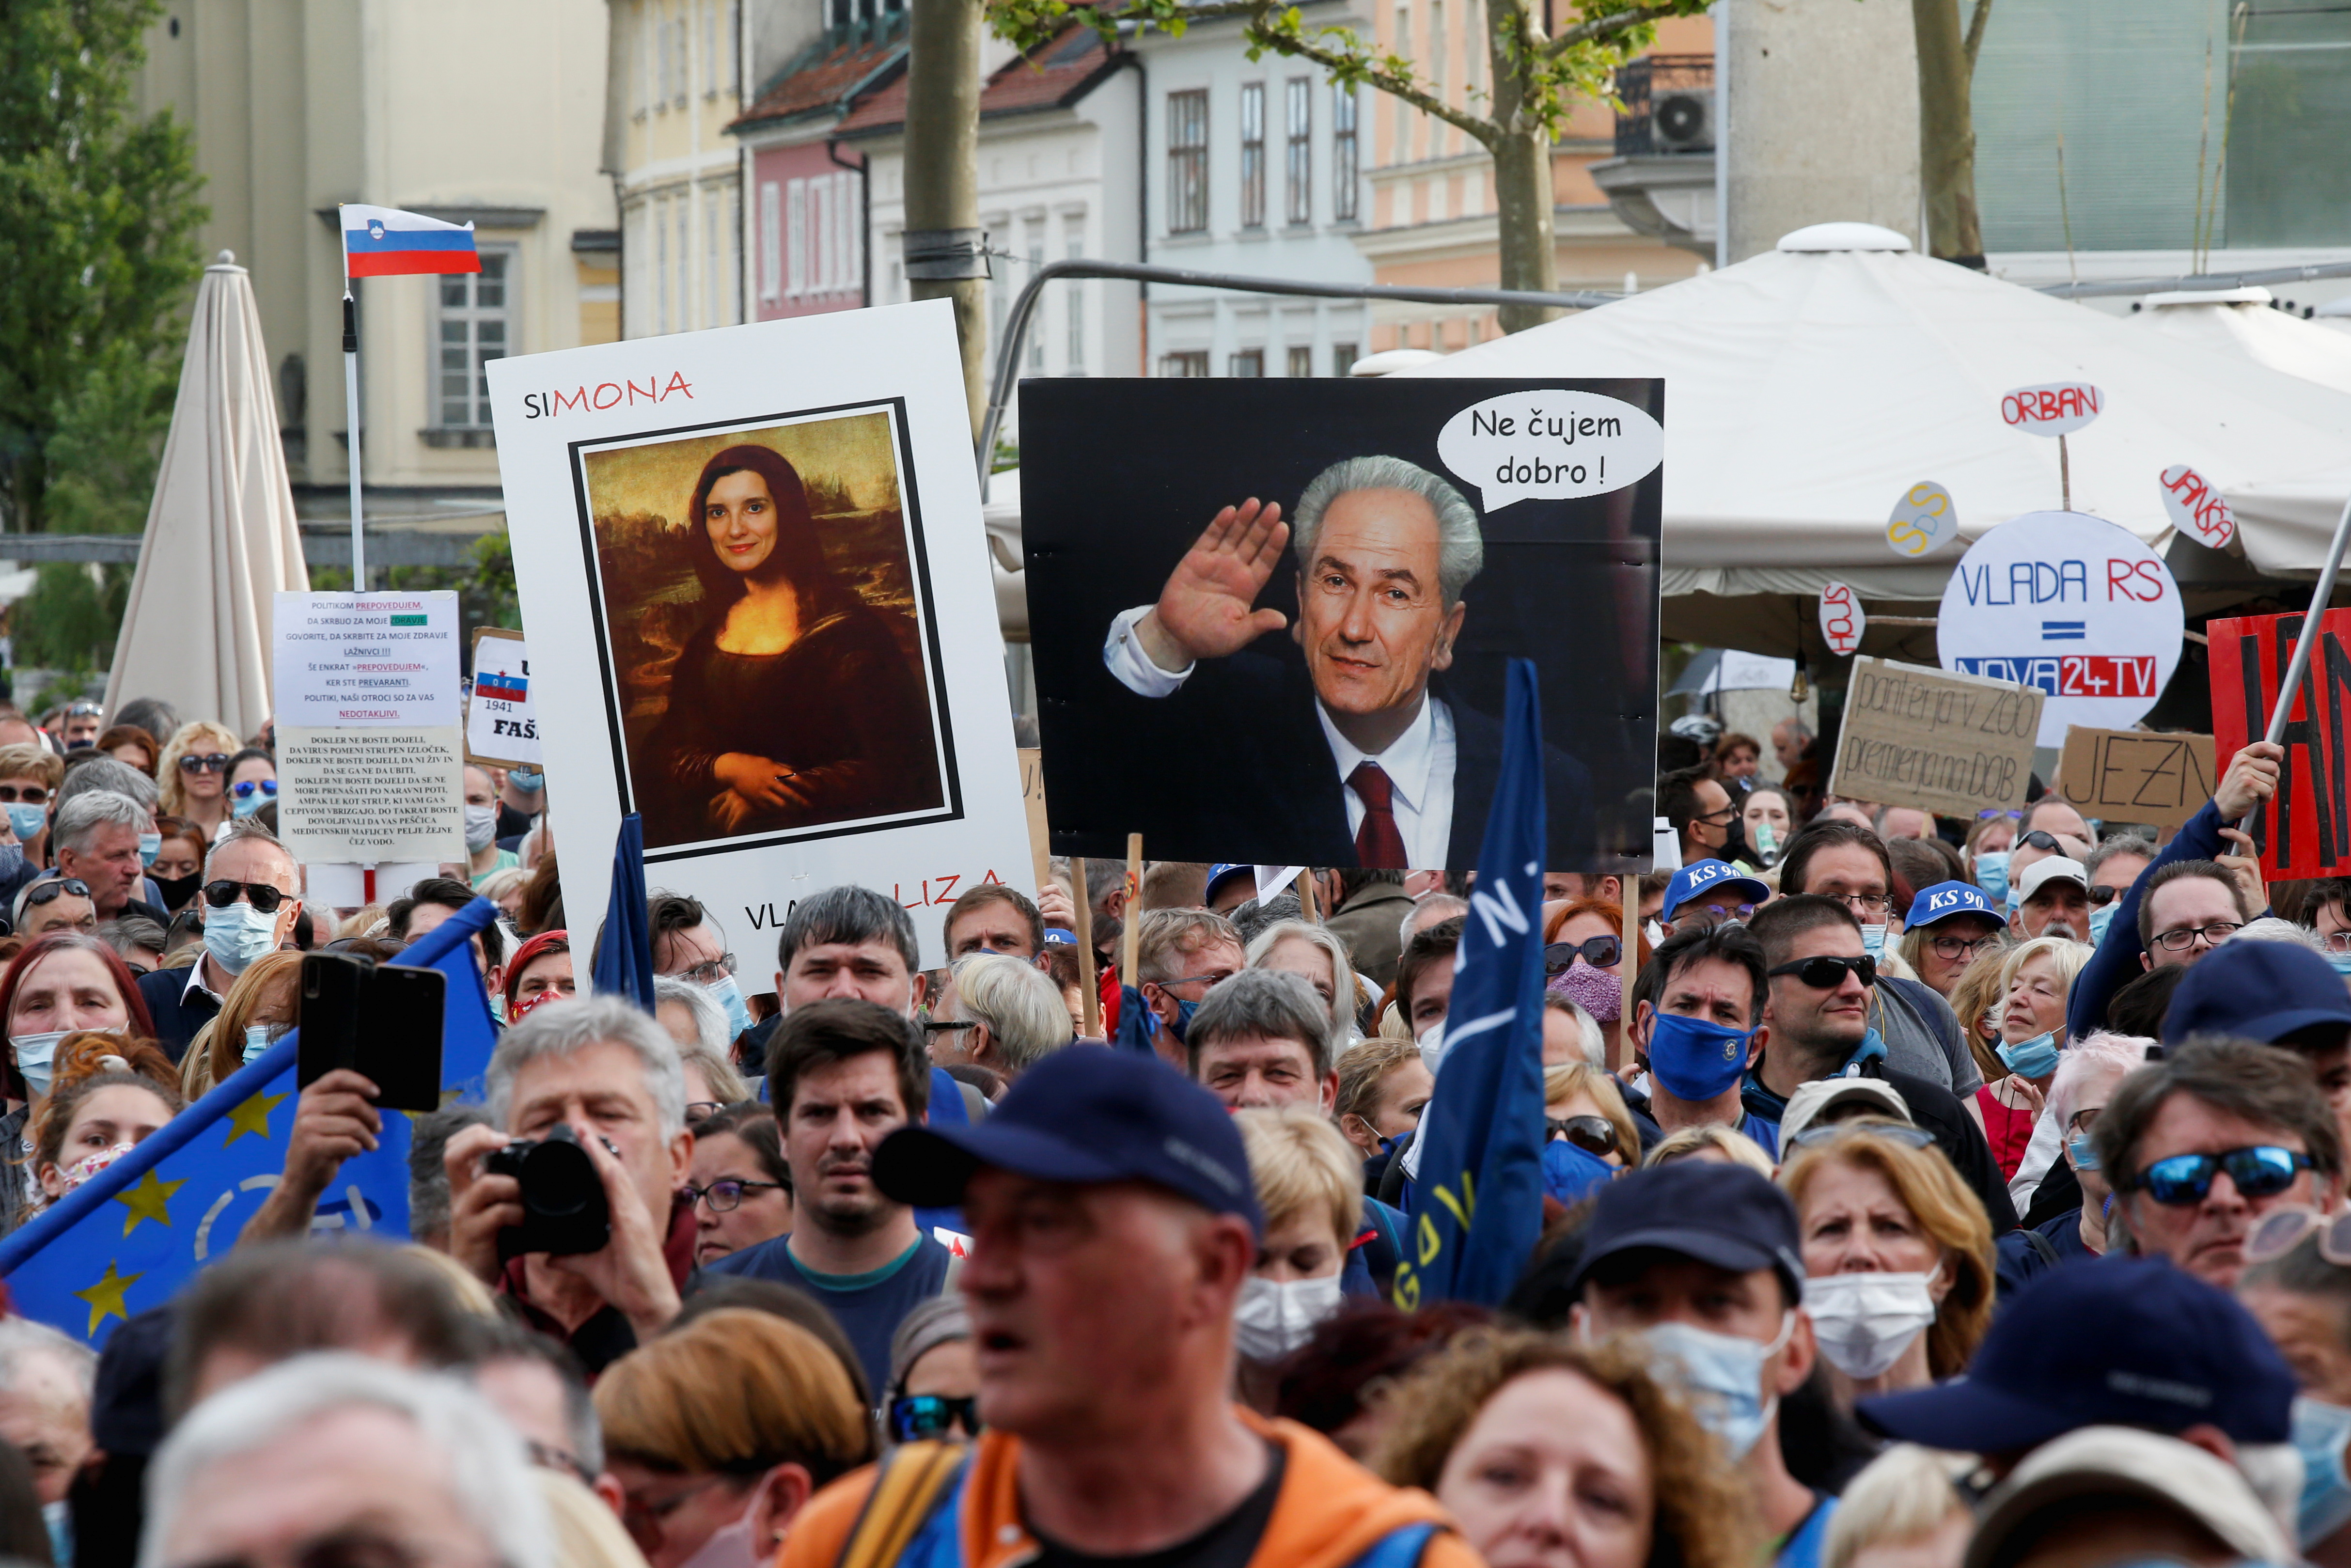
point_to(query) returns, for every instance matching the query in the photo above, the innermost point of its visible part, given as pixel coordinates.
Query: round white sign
(1923, 521)
(2069, 603)
(2059, 408)
(1842, 621)
(2198, 508)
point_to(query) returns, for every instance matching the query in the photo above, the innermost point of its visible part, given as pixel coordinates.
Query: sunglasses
(247, 790)
(1600, 951)
(1825, 974)
(210, 762)
(724, 1197)
(2041, 839)
(2275, 1235)
(265, 898)
(48, 891)
(2102, 896)
(916, 1417)
(28, 794)
(1899, 1132)
(1593, 1134)
(2259, 1170)
(1989, 812)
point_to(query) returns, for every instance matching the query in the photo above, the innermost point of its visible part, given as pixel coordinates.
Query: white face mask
(1726, 1371)
(35, 1052)
(481, 827)
(1272, 1320)
(730, 1545)
(1865, 1322)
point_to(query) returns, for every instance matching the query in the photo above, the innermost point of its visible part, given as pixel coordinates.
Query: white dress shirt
(1419, 763)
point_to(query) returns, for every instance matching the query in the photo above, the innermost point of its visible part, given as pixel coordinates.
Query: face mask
(1272, 1320)
(2320, 1432)
(1695, 1061)
(1872, 940)
(1432, 1045)
(150, 846)
(2100, 918)
(1865, 1322)
(729, 1545)
(2085, 1155)
(178, 890)
(2034, 1058)
(2342, 962)
(260, 1037)
(1654, 932)
(89, 1165)
(529, 781)
(481, 828)
(26, 821)
(59, 1517)
(34, 1054)
(1597, 991)
(247, 805)
(1572, 1173)
(1992, 875)
(729, 995)
(1728, 1371)
(238, 935)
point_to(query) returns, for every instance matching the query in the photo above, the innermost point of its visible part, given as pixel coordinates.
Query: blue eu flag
(624, 954)
(1479, 1207)
(129, 1238)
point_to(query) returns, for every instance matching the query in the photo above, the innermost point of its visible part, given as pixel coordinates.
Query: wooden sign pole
(1306, 896)
(1131, 915)
(1089, 983)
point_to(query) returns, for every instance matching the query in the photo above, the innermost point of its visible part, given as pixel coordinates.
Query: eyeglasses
(2259, 1170)
(701, 1111)
(1593, 1134)
(27, 794)
(548, 1457)
(947, 1025)
(916, 1417)
(247, 790)
(1721, 819)
(2278, 1233)
(1864, 902)
(1961, 948)
(647, 1523)
(1600, 951)
(1899, 1132)
(1825, 974)
(2337, 941)
(2180, 941)
(726, 1196)
(48, 891)
(265, 898)
(710, 971)
(210, 762)
(1715, 913)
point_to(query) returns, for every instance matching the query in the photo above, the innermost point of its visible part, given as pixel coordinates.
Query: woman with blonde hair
(1726, 1145)
(1577, 1098)
(1901, 1510)
(719, 1432)
(258, 1011)
(1546, 1450)
(1309, 1187)
(191, 775)
(1897, 1256)
(1383, 1084)
(2035, 980)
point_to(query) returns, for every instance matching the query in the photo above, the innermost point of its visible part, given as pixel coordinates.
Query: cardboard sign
(1952, 745)
(2197, 507)
(2304, 830)
(753, 562)
(2058, 408)
(501, 721)
(1923, 521)
(2133, 775)
(2069, 603)
(1842, 620)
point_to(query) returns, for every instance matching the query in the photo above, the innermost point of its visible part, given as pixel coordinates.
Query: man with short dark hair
(1175, 884)
(1698, 809)
(994, 918)
(433, 901)
(844, 1074)
(1424, 982)
(1696, 1006)
(848, 941)
(687, 945)
(2185, 909)
(1263, 1038)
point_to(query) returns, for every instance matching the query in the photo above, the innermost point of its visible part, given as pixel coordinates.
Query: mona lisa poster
(753, 573)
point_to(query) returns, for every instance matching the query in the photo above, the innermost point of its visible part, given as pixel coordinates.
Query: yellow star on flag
(253, 1117)
(105, 1298)
(149, 1200)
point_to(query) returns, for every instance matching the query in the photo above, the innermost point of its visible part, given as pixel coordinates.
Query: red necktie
(1379, 845)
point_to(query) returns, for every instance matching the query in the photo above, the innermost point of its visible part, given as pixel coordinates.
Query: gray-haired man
(97, 839)
(1384, 549)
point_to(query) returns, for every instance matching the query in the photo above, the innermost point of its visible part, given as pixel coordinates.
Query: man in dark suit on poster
(1358, 758)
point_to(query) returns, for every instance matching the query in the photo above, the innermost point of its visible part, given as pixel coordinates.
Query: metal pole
(2300, 662)
(351, 419)
(2064, 475)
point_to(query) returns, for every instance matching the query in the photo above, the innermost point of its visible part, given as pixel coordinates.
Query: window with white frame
(771, 240)
(1346, 159)
(1342, 359)
(1187, 161)
(473, 326)
(1186, 364)
(1074, 295)
(1248, 364)
(1253, 155)
(796, 239)
(662, 321)
(684, 269)
(1297, 94)
(711, 17)
(714, 255)
(733, 276)
(1301, 359)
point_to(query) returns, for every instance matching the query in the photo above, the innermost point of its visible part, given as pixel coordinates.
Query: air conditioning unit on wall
(1681, 120)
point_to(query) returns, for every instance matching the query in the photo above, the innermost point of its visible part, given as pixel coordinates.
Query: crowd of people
(1916, 1193)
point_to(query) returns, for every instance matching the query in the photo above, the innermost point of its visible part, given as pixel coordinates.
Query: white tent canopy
(1806, 389)
(2240, 321)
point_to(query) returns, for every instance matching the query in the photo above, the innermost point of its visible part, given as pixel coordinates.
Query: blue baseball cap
(1725, 1215)
(1084, 1115)
(2257, 990)
(1945, 899)
(1218, 873)
(1057, 937)
(1700, 875)
(2117, 1342)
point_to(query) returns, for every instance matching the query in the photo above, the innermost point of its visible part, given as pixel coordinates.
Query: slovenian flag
(384, 242)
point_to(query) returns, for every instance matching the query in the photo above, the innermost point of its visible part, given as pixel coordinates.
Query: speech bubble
(1842, 620)
(1923, 521)
(1550, 444)
(2197, 507)
(2057, 408)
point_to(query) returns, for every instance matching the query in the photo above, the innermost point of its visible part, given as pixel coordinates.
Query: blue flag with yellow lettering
(129, 1238)
(1478, 1206)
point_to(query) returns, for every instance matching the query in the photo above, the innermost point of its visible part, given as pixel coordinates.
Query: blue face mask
(150, 846)
(260, 1037)
(729, 995)
(1872, 940)
(238, 935)
(1572, 1173)
(26, 821)
(2320, 1433)
(2100, 918)
(1992, 875)
(529, 781)
(2086, 1157)
(247, 805)
(2034, 1058)
(36, 1055)
(2342, 962)
(1726, 1374)
(1695, 1061)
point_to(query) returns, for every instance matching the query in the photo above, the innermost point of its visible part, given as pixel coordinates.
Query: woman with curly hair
(192, 776)
(1551, 1454)
(109, 1093)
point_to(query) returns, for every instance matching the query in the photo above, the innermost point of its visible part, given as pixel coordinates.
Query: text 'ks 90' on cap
(1085, 1114)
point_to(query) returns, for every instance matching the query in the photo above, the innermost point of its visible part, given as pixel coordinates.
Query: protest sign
(501, 721)
(2304, 830)
(2197, 507)
(2059, 408)
(2069, 603)
(1923, 521)
(760, 548)
(1842, 620)
(2135, 775)
(1213, 679)
(1953, 744)
(369, 763)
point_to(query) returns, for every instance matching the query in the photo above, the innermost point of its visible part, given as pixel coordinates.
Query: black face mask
(178, 890)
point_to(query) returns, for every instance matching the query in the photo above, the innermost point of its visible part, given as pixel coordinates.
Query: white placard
(345, 659)
(1842, 620)
(501, 720)
(2057, 408)
(2197, 507)
(1923, 521)
(1273, 880)
(2069, 603)
(865, 738)
(1551, 442)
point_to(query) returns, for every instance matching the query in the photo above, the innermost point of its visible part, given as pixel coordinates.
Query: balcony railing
(1640, 84)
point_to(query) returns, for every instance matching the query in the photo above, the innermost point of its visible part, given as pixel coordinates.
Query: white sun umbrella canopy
(2242, 322)
(221, 535)
(1809, 388)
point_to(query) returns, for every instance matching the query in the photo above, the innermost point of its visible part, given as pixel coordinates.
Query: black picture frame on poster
(1119, 478)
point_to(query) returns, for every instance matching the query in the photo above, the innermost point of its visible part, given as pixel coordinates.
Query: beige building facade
(677, 83)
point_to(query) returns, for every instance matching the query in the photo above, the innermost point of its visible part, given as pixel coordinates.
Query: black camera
(563, 1203)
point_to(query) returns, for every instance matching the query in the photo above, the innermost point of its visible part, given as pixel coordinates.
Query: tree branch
(1600, 27)
(1975, 20)
(1353, 68)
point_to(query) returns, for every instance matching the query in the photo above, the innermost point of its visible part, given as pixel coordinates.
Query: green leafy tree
(97, 221)
(1538, 74)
